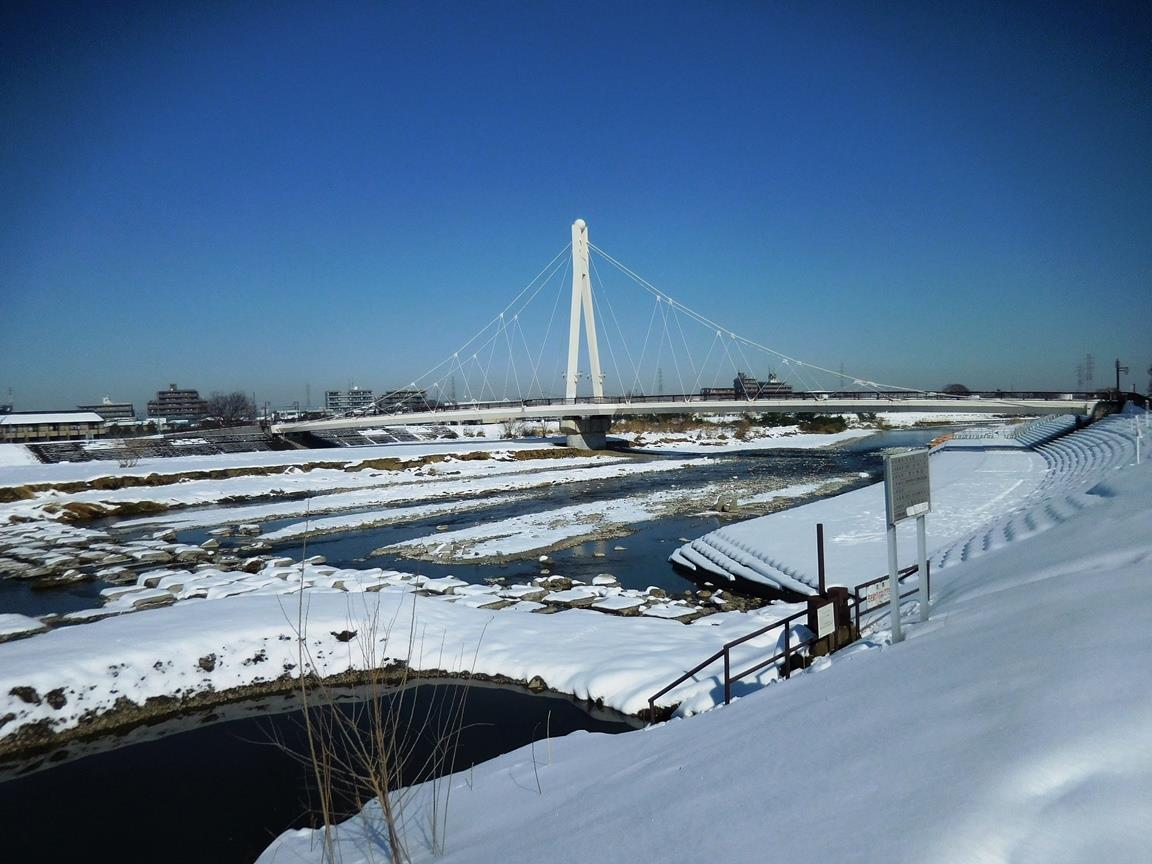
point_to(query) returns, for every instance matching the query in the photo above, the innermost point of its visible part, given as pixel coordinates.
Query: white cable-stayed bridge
(660, 357)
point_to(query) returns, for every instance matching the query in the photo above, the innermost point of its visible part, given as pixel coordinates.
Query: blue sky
(268, 196)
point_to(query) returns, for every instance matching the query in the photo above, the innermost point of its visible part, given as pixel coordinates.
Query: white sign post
(907, 494)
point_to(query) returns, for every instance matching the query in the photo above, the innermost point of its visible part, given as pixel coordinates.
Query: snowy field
(1012, 727)
(1018, 692)
(343, 489)
(980, 500)
(968, 489)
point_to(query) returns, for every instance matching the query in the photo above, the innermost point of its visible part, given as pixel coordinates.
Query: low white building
(28, 427)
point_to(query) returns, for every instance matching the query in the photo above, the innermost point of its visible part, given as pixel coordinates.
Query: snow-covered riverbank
(998, 612)
(312, 493)
(1012, 727)
(241, 615)
(1026, 490)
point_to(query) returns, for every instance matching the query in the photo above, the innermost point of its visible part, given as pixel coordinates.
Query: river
(218, 785)
(638, 560)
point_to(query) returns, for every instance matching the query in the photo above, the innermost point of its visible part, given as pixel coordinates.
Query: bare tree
(956, 390)
(511, 428)
(232, 409)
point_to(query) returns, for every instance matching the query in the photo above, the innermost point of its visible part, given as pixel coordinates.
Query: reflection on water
(19, 596)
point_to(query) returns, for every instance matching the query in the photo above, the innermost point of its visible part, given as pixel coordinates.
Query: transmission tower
(1089, 370)
(1080, 377)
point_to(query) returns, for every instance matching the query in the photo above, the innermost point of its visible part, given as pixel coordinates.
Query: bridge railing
(794, 396)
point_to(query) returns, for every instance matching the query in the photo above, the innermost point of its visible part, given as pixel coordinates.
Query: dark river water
(218, 786)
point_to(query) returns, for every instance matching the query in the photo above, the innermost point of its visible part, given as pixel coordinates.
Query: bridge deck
(553, 409)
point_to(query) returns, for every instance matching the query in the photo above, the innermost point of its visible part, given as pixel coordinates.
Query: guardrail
(692, 398)
(855, 599)
(862, 595)
(725, 652)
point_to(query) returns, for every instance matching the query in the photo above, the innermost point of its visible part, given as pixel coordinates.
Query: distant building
(26, 427)
(404, 400)
(344, 401)
(110, 410)
(175, 404)
(747, 387)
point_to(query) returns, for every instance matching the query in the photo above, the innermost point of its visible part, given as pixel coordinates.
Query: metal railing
(859, 596)
(856, 599)
(799, 396)
(726, 653)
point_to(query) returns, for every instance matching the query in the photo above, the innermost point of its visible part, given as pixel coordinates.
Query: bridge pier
(586, 433)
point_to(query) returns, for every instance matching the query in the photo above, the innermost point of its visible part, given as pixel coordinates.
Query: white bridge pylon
(582, 301)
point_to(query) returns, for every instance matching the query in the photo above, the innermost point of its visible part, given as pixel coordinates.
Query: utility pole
(1119, 369)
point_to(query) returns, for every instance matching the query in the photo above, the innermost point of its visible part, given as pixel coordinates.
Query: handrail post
(787, 651)
(820, 555)
(727, 677)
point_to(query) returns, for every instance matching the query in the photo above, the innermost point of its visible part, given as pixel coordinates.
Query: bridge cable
(671, 347)
(644, 351)
(606, 296)
(534, 286)
(547, 333)
(703, 319)
(704, 365)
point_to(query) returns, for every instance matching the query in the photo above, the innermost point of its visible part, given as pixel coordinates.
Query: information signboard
(907, 491)
(876, 595)
(825, 620)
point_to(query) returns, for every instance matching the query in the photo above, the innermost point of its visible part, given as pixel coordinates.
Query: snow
(980, 499)
(330, 490)
(40, 418)
(708, 441)
(779, 550)
(157, 652)
(1012, 727)
(525, 533)
(77, 471)
(12, 624)
(618, 603)
(16, 454)
(906, 419)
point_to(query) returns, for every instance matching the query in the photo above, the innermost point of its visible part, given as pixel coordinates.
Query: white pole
(582, 299)
(579, 275)
(922, 565)
(894, 586)
(1136, 427)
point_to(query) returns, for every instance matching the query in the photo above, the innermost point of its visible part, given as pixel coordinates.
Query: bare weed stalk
(369, 746)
